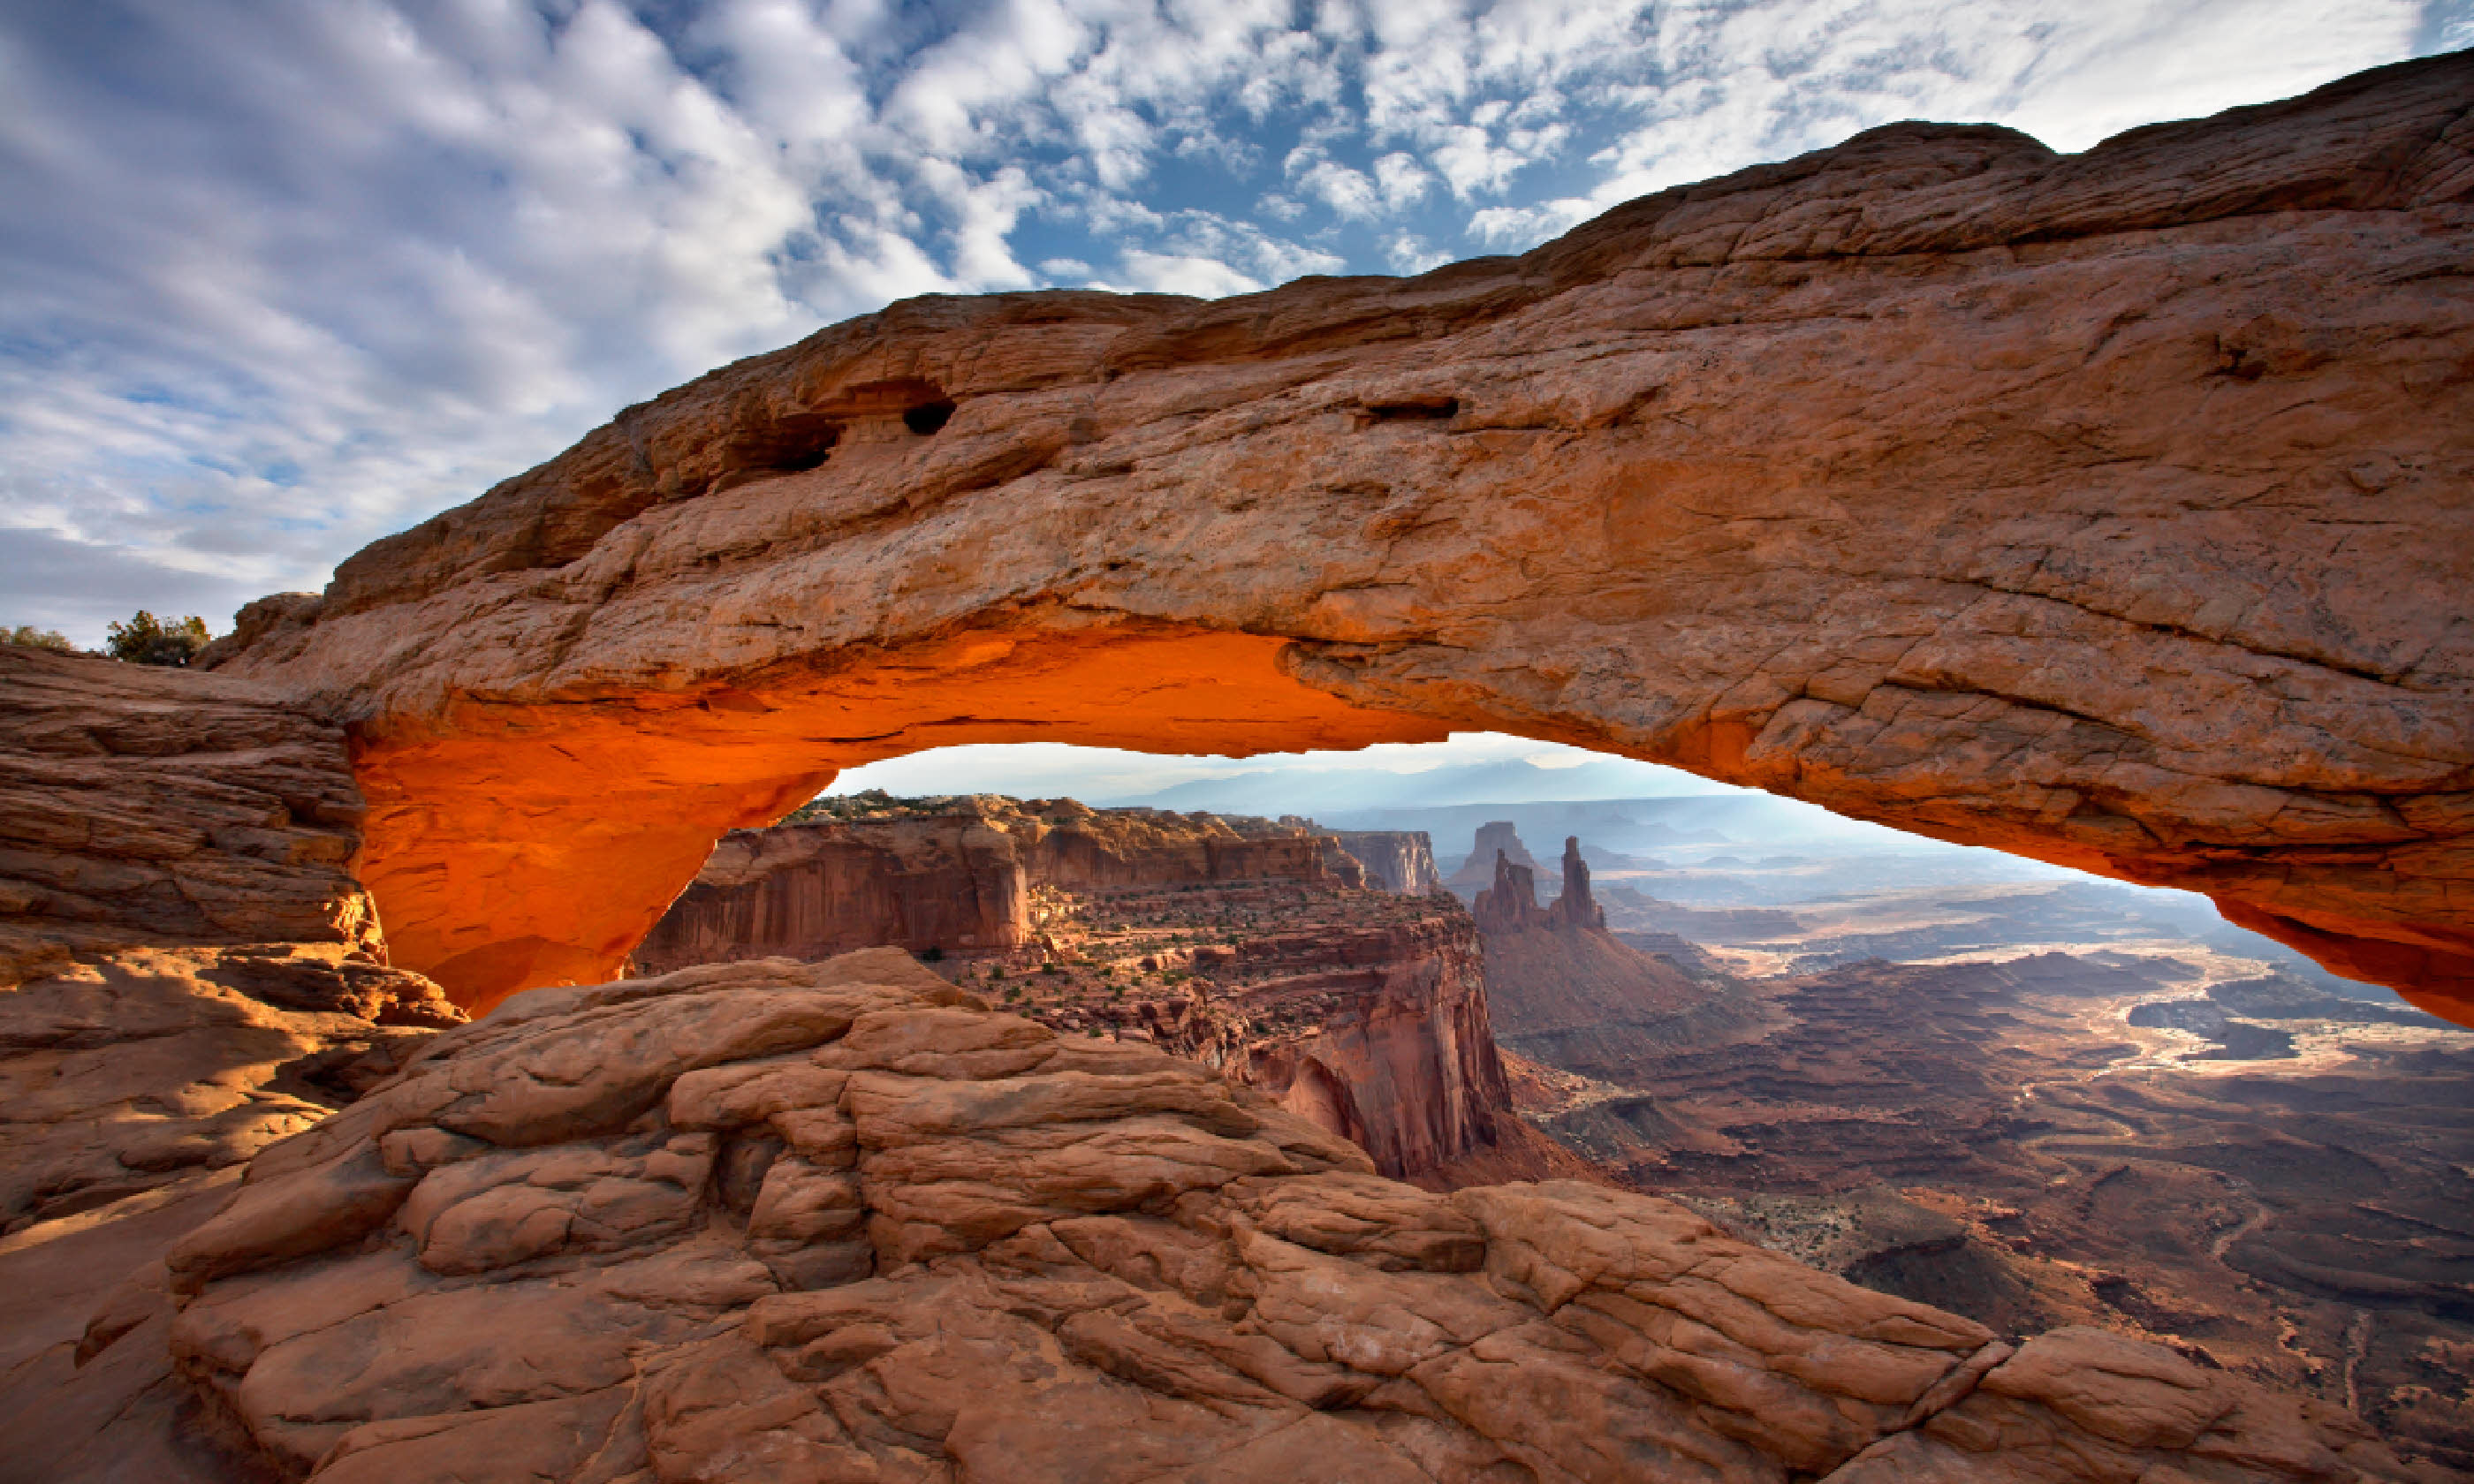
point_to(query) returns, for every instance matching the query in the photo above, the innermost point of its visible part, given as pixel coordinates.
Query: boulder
(838, 1222)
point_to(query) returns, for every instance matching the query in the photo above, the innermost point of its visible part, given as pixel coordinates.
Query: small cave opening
(928, 416)
(1416, 409)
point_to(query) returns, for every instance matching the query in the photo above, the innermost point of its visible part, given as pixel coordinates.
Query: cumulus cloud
(288, 275)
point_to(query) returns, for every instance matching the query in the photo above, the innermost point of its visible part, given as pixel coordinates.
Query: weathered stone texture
(2105, 508)
(142, 806)
(186, 961)
(784, 1221)
(1397, 860)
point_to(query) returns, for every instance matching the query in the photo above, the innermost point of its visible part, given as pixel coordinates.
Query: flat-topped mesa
(2107, 509)
(959, 875)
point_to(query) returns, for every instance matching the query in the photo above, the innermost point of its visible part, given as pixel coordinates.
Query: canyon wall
(2104, 508)
(1395, 860)
(811, 891)
(1374, 1029)
(1380, 1035)
(950, 875)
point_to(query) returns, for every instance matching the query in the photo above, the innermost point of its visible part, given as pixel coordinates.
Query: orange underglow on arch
(512, 846)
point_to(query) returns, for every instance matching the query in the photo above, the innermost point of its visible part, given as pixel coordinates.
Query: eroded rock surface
(188, 969)
(1397, 860)
(834, 1222)
(1227, 939)
(144, 806)
(2104, 508)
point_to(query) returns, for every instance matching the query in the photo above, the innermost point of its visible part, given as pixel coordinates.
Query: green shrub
(28, 636)
(146, 639)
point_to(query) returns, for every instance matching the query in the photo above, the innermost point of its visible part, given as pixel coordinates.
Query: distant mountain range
(1319, 790)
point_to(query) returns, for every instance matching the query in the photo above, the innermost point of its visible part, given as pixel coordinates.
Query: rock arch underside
(2109, 508)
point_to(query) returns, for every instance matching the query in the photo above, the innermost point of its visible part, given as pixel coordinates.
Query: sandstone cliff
(1369, 1019)
(1395, 860)
(823, 1222)
(187, 965)
(2104, 508)
(953, 874)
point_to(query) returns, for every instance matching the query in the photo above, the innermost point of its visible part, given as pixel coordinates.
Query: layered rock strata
(188, 969)
(1226, 939)
(835, 1222)
(2138, 478)
(144, 806)
(957, 875)
(1395, 860)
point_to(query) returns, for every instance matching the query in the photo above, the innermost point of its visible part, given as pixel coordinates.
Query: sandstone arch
(2110, 509)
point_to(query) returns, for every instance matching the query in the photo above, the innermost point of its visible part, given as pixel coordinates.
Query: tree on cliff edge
(146, 639)
(28, 636)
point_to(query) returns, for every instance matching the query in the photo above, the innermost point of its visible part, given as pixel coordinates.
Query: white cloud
(1163, 273)
(306, 270)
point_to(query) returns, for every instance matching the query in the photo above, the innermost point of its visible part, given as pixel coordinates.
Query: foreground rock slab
(188, 968)
(835, 1222)
(2107, 508)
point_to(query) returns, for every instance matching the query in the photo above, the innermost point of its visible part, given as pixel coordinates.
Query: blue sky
(279, 276)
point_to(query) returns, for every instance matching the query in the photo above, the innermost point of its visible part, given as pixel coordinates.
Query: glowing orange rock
(2109, 508)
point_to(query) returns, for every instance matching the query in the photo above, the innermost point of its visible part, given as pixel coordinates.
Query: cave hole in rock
(928, 417)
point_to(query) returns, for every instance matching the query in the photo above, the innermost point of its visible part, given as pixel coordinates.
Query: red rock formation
(783, 1221)
(1497, 838)
(1511, 904)
(2064, 438)
(1381, 1036)
(1367, 1018)
(1395, 860)
(952, 883)
(148, 806)
(1571, 995)
(951, 875)
(186, 960)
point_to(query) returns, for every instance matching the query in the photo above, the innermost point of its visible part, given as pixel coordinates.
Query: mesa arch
(2109, 508)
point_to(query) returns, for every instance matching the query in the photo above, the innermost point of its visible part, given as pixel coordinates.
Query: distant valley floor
(2056, 1114)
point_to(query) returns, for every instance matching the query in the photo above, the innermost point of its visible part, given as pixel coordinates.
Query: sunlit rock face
(836, 1221)
(1397, 860)
(2107, 509)
(1226, 939)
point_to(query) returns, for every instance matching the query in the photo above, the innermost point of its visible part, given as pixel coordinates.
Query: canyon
(2036, 1105)
(841, 1221)
(2099, 508)
(1252, 946)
